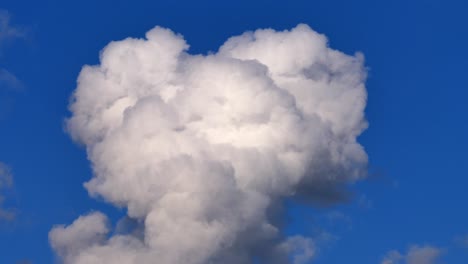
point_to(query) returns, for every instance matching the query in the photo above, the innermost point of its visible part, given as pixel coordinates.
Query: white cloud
(416, 255)
(85, 231)
(200, 148)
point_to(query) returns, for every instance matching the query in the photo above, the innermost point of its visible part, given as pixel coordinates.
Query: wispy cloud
(8, 31)
(416, 254)
(24, 261)
(462, 241)
(6, 182)
(9, 81)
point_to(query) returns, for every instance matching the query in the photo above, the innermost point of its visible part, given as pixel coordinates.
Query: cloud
(416, 255)
(8, 81)
(201, 148)
(84, 232)
(364, 202)
(9, 85)
(300, 249)
(462, 241)
(6, 182)
(7, 31)
(24, 261)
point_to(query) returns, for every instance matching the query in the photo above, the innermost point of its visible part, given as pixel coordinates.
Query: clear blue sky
(417, 56)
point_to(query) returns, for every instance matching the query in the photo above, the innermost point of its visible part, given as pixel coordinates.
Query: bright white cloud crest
(199, 148)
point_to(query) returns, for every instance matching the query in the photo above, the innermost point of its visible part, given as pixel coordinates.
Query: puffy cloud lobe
(84, 232)
(199, 148)
(416, 255)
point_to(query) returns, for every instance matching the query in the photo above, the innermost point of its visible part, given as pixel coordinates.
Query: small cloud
(7, 31)
(416, 255)
(9, 86)
(24, 261)
(6, 182)
(336, 218)
(462, 241)
(392, 257)
(6, 178)
(7, 215)
(300, 249)
(364, 202)
(9, 81)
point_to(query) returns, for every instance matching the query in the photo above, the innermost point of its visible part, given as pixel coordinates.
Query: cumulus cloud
(416, 255)
(201, 148)
(6, 182)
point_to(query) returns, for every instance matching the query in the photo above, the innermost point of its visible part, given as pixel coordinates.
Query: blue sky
(417, 57)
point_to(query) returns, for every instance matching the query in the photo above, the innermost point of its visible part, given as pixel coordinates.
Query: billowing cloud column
(199, 148)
